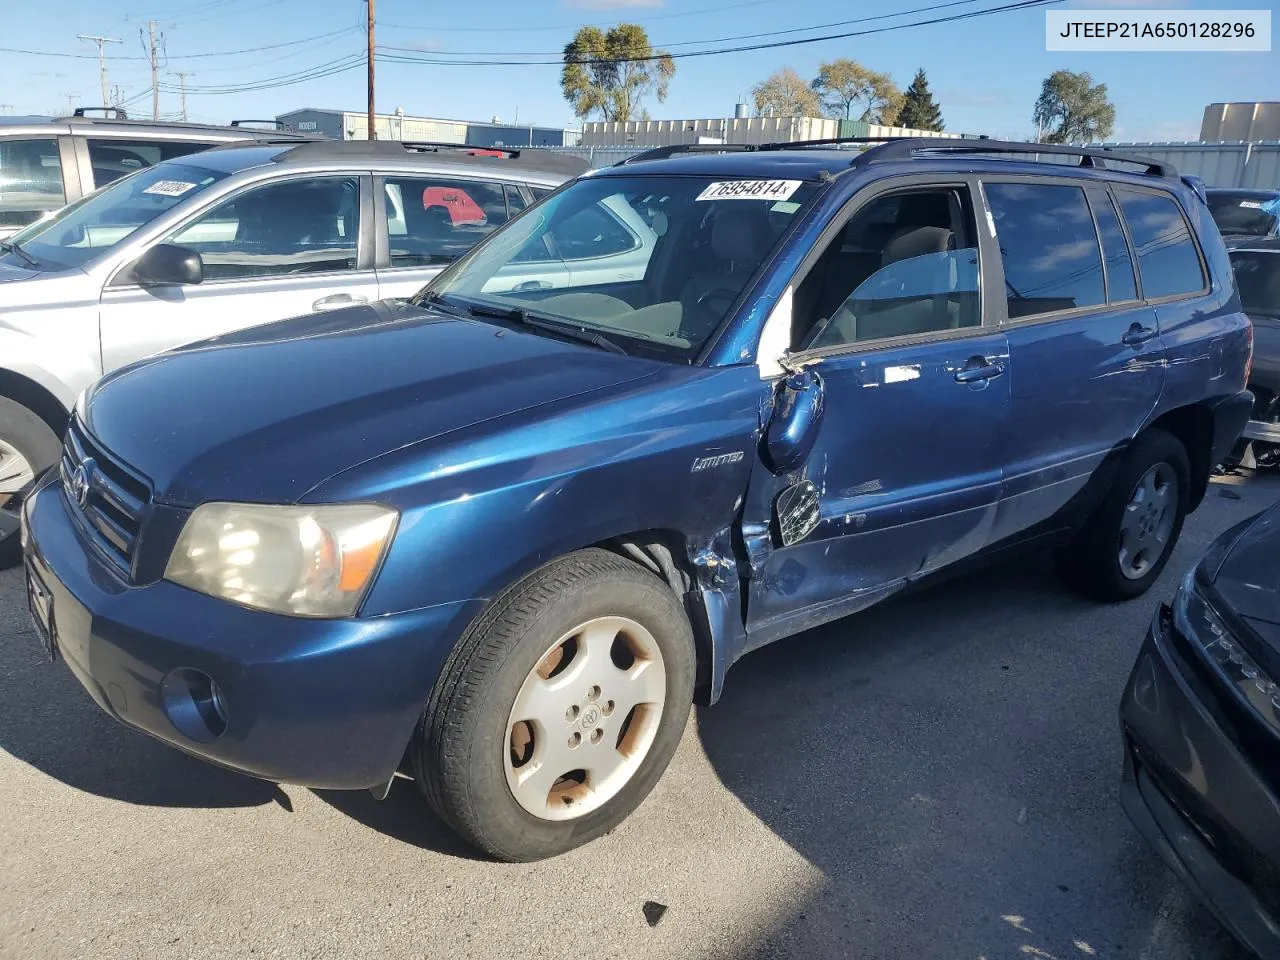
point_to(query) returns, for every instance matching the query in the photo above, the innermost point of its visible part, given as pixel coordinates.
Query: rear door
(899, 417)
(270, 251)
(425, 222)
(1086, 357)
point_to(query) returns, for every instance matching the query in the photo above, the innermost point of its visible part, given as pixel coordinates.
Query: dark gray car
(1201, 726)
(1257, 269)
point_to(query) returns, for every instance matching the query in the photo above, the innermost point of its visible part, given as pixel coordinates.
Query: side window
(590, 233)
(906, 263)
(30, 180)
(113, 158)
(1049, 247)
(539, 192)
(515, 201)
(433, 221)
(283, 229)
(1167, 257)
(1121, 285)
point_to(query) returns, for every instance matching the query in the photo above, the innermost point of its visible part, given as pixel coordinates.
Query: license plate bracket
(40, 604)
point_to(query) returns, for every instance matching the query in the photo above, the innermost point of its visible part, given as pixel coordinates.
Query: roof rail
(661, 153)
(274, 124)
(907, 147)
(542, 161)
(115, 113)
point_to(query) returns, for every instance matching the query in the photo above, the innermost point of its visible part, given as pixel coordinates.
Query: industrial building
(1241, 121)
(353, 125)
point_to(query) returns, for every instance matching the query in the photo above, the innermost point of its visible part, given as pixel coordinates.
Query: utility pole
(102, 60)
(182, 83)
(373, 133)
(149, 47)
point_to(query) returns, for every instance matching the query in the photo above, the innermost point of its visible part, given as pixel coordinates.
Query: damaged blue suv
(500, 536)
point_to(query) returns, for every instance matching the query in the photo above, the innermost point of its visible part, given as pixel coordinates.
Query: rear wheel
(559, 708)
(28, 446)
(1125, 544)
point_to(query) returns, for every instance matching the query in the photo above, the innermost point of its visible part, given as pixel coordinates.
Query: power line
(969, 15)
(189, 56)
(544, 28)
(182, 82)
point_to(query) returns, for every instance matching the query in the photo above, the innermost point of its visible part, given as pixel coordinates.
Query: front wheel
(1123, 547)
(559, 708)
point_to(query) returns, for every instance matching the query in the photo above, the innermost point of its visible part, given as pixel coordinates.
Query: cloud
(611, 4)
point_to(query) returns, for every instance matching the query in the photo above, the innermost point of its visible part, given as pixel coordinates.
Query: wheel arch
(1193, 425)
(36, 398)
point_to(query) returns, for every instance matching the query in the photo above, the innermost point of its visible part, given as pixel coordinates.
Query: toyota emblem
(78, 485)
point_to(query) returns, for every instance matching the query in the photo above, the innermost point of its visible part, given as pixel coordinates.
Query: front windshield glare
(99, 221)
(647, 261)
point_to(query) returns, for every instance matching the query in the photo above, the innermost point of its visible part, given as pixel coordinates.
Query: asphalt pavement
(934, 778)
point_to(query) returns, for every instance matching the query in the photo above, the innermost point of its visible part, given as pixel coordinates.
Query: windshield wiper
(8, 246)
(436, 300)
(565, 329)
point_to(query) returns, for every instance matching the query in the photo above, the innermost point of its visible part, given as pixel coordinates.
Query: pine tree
(919, 111)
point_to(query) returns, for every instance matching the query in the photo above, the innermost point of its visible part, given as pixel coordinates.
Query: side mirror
(166, 264)
(793, 428)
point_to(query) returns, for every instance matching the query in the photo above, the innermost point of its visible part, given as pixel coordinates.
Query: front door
(1087, 357)
(271, 252)
(883, 456)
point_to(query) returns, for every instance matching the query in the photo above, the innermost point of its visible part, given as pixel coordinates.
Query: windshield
(1258, 278)
(1244, 215)
(97, 222)
(651, 263)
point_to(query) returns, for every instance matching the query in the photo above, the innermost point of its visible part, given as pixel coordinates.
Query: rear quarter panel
(1206, 338)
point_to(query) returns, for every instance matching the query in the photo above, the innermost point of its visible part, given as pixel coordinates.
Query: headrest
(917, 242)
(741, 232)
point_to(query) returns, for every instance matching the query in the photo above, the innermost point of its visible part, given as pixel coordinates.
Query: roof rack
(661, 153)
(906, 147)
(543, 161)
(273, 124)
(115, 113)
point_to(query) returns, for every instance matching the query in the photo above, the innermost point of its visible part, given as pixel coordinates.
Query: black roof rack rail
(115, 113)
(661, 153)
(907, 147)
(542, 161)
(274, 124)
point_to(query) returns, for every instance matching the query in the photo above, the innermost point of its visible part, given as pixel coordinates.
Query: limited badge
(796, 510)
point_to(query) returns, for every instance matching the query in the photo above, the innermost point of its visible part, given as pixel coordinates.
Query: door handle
(978, 369)
(530, 285)
(1137, 335)
(335, 301)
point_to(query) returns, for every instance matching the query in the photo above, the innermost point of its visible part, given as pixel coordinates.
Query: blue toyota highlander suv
(500, 536)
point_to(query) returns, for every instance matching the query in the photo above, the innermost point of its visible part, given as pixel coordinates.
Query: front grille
(114, 498)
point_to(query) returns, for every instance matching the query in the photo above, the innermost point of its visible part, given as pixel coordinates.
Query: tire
(26, 441)
(1093, 562)
(471, 748)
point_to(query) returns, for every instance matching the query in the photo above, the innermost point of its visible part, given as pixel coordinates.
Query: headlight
(305, 561)
(78, 409)
(1197, 621)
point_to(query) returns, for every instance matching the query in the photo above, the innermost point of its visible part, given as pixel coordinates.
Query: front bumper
(320, 703)
(1196, 796)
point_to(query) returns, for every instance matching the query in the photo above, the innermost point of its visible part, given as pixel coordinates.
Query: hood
(1249, 578)
(9, 272)
(267, 413)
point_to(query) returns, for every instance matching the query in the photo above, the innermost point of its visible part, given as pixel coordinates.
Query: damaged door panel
(902, 468)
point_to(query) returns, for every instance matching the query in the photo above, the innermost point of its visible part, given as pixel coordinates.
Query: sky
(984, 72)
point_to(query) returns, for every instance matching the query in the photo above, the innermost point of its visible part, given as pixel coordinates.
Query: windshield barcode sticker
(749, 190)
(169, 188)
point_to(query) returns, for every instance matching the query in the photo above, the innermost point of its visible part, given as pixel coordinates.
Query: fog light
(194, 704)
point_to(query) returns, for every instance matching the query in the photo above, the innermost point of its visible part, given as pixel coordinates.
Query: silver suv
(48, 162)
(232, 237)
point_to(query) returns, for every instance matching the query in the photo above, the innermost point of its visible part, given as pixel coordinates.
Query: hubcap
(1148, 520)
(585, 718)
(15, 471)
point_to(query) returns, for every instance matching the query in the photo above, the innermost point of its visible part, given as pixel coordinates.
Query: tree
(1072, 108)
(844, 83)
(785, 94)
(610, 73)
(919, 110)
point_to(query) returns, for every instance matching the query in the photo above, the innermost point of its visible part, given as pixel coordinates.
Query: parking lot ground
(936, 777)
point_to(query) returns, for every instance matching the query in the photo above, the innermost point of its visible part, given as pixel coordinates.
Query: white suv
(228, 238)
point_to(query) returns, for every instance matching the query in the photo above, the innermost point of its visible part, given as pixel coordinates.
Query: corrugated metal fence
(1253, 164)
